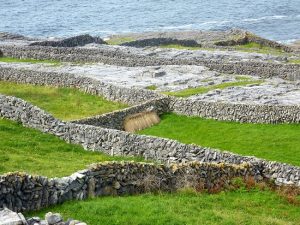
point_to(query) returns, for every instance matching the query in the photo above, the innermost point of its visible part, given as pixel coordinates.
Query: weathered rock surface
(272, 92)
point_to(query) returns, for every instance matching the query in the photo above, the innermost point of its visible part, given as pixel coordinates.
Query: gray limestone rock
(53, 218)
(8, 217)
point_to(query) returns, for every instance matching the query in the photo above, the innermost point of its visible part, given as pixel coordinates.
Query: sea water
(274, 19)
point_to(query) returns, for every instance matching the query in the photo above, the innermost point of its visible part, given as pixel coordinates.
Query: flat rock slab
(272, 92)
(8, 217)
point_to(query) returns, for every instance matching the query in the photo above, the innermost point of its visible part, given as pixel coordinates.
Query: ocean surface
(274, 19)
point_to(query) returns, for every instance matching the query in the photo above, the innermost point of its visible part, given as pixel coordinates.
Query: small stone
(33, 220)
(53, 218)
(117, 185)
(44, 222)
(72, 222)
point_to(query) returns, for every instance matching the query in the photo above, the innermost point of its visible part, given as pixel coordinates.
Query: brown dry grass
(140, 121)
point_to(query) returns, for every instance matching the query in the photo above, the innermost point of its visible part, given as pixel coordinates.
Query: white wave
(214, 22)
(275, 17)
(186, 26)
(288, 41)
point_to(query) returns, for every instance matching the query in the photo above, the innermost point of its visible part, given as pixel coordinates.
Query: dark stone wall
(80, 40)
(23, 192)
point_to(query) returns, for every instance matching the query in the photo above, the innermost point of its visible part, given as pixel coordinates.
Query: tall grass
(140, 121)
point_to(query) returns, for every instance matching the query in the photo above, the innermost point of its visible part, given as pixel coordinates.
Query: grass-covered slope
(258, 48)
(63, 103)
(253, 207)
(278, 142)
(28, 150)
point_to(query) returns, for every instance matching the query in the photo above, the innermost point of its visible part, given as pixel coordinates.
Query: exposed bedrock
(80, 40)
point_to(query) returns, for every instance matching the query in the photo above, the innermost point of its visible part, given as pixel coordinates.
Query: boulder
(8, 217)
(53, 218)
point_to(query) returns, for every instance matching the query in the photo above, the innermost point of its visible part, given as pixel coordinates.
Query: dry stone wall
(116, 142)
(146, 100)
(161, 41)
(23, 192)
(236, 112)
(80, 40)
(121, 57)
(88, 85)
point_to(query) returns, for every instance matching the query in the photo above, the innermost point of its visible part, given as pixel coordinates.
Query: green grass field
(119, 40)
(255, 47)
(28, 150)
(295, 61)
(238, 207)
(16, 60)
(181, 47)
(63, 103)
(279, 142)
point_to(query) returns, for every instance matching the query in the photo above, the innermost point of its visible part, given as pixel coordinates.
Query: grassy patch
(296, 61)
(242, 78)
(152, 87)
(258, 48)
(253, 207)
(63, 103)
(201, 90)
(176, 46)
(31, 151)
(279, 142)
(16, 60)
(119, 40)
